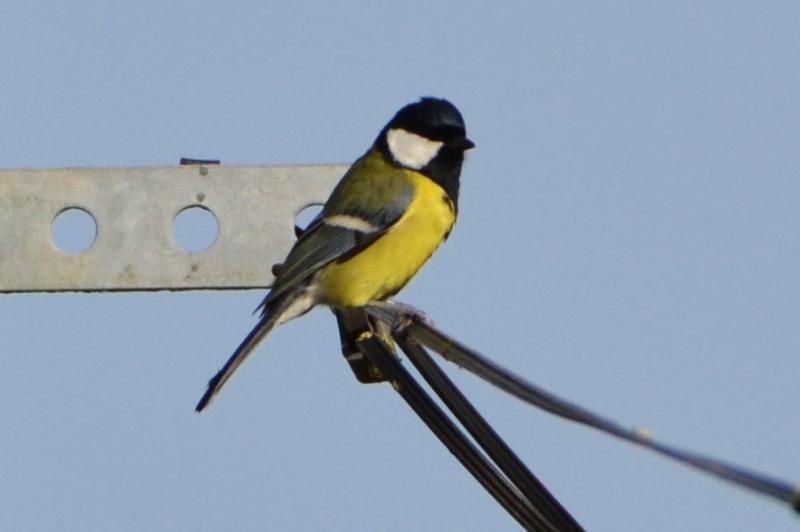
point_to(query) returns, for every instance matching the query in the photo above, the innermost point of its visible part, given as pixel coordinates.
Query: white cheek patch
(411, 150)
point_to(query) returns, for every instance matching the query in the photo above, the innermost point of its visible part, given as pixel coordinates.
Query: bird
(387, 215)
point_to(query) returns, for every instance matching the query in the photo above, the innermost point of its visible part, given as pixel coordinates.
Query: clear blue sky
(629, 237)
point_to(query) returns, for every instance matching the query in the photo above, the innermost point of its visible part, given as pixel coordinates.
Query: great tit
(385, 218)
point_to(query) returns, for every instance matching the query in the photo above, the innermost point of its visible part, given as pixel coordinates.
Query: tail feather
(275, 313)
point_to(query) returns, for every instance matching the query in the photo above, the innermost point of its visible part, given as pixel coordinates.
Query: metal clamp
(134, 208)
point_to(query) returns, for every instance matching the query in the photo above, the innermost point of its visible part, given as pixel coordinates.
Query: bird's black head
(428, 136)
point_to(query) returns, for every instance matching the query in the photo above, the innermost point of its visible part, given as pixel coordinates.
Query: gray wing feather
(362, 193)
(318, 246)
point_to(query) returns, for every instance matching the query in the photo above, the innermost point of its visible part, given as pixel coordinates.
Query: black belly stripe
(446, 199)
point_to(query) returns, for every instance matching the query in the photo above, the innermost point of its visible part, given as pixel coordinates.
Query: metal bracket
(133, 208)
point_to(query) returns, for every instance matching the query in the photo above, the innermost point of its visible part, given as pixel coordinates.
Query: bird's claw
(404, 314)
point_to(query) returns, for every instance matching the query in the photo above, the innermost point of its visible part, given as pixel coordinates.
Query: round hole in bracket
(195, 228)
(73, 230)
(306, 216)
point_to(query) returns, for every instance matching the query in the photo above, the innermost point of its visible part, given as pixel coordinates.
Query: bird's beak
(462, 144)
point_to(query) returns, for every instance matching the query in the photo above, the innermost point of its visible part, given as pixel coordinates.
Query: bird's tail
(276, 312)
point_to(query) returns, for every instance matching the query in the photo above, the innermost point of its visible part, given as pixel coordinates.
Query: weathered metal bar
(134, 208)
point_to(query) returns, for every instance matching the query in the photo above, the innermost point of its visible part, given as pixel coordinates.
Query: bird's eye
(448, 134)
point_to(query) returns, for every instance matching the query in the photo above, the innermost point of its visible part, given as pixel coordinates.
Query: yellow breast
(385, 266)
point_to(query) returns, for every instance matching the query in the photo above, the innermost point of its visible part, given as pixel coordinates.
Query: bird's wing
(368, 200)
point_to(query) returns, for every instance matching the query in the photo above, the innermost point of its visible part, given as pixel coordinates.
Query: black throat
(444, 169)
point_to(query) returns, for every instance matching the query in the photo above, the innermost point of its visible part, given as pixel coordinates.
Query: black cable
(486, 437)
(456, 442)
(405, 320)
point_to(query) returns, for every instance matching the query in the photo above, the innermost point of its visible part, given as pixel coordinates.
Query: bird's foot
(403, 314)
